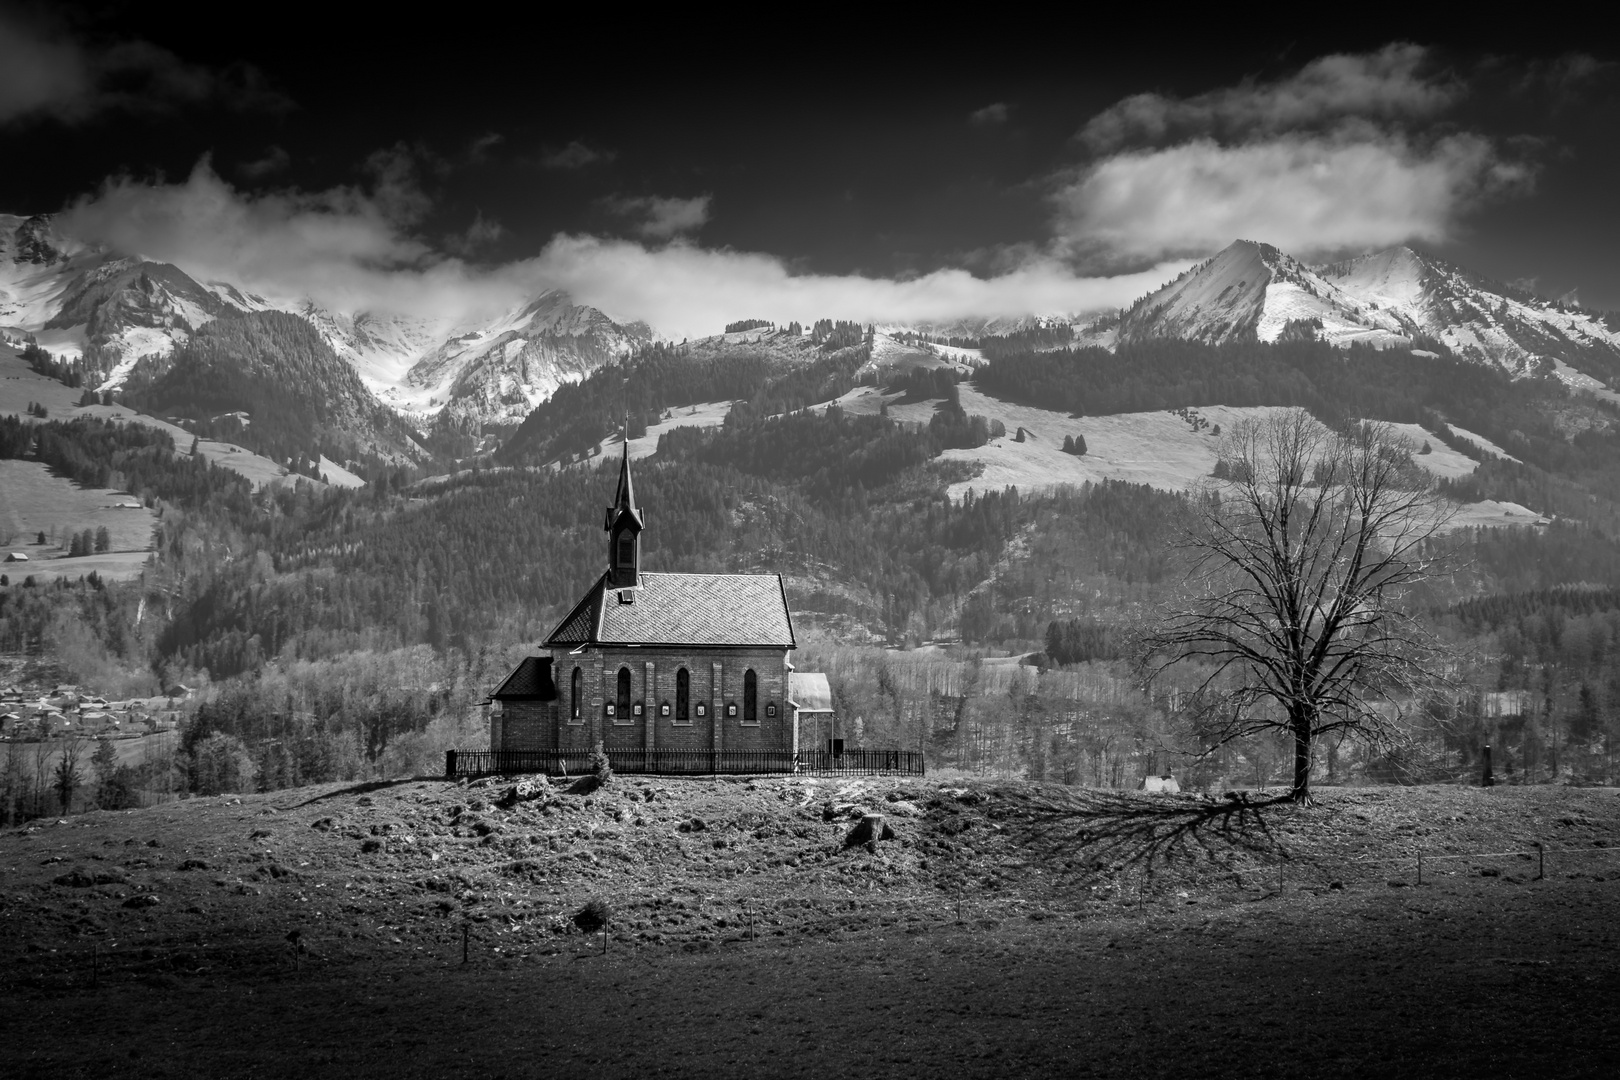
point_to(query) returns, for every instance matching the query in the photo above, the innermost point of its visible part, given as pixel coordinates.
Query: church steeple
(623, 525)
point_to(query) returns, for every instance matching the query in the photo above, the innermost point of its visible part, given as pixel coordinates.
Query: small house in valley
(657, 662)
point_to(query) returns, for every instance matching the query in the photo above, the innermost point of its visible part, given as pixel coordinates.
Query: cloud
(685, 290)
(1304, 193)
(660, 217)
(46, 74)
(349, 249)
(1388, 84)
(38, 74)
(576, 155)
(396, 183)
(478, 150)
(1349, 152)
(275, 160)
(989, 116)
(1564, 79)
(480, 234)
(344, 246)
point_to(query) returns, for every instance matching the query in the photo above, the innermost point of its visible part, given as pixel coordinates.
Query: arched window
(627, 548)
(683, 697)
(574, 695)
(623, 711)
(750, 698)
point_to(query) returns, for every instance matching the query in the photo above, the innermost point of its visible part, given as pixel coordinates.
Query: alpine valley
(338, 527)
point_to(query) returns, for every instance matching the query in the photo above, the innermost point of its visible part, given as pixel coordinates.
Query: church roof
(530, 679)
(682, 609)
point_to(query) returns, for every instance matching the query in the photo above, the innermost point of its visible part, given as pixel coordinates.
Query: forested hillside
(301, 398)
(661, 376)
(336, 628)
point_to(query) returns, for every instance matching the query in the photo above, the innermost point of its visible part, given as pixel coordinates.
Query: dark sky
(837, 151)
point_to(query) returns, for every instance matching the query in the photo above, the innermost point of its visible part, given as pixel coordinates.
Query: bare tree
(1303, 556)
(68, 778)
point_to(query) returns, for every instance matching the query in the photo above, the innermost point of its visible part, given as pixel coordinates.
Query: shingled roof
(682, 609)
(530, 680)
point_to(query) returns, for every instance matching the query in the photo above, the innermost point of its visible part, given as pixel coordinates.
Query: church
(661, 662)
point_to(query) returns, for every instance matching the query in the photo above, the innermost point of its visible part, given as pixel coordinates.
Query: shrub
(601, 766)
(593, 916)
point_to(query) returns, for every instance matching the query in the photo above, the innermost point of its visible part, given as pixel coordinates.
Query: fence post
(449, 764)
(1541, 860)
(466, 933)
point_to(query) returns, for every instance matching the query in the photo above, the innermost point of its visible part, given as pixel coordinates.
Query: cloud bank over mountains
(1348, 153)
(353, 249)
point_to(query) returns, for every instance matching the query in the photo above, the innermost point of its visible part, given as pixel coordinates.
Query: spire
(623, 525)
(625, 498)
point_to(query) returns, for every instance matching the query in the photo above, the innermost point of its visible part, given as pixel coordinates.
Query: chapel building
(649, 661)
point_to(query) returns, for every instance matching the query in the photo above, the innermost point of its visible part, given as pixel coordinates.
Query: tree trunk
(1302, 761)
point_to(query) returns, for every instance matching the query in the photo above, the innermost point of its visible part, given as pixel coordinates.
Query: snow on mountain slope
(124, 316)
(1481, 320)
(36, 270)
(498, 372)
(382, 349)
(132, 310)
(1252, 291)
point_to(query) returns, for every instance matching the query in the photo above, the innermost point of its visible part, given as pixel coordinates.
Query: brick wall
(716, 680)
(528, 725)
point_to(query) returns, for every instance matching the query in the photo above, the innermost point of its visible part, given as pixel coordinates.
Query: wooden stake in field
(466, 934)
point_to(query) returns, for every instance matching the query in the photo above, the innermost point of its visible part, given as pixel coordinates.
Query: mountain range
(129, 319)
(124, 317)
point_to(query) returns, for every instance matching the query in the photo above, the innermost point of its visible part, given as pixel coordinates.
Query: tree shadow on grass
(362, 789)
(1116, 830)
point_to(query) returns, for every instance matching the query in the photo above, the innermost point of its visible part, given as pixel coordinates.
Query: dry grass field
(35, 500)
(1007, 929)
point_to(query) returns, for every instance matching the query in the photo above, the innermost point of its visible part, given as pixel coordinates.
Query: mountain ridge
(124, 316)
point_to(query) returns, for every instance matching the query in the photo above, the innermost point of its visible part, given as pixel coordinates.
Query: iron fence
(862, 763)
(655, 762)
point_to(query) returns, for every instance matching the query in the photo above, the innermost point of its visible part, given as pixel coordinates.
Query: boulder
(868, 831)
